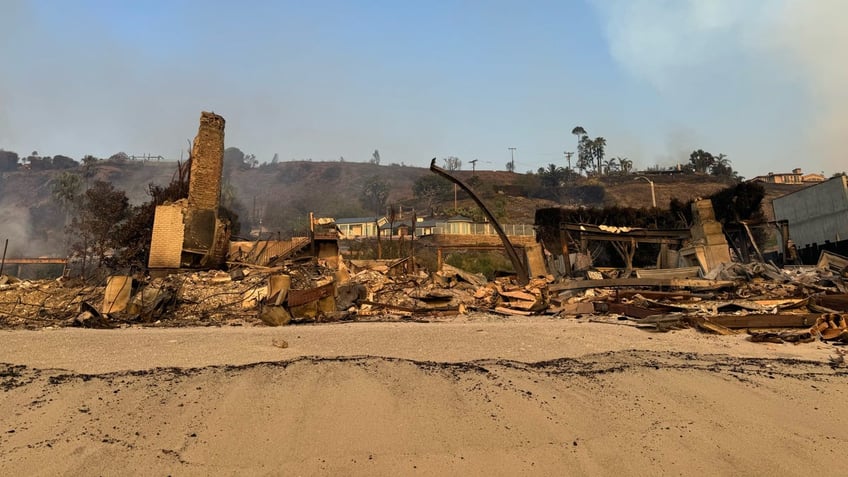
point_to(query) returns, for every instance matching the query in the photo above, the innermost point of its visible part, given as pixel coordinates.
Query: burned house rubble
(655, 278)
(306, 280)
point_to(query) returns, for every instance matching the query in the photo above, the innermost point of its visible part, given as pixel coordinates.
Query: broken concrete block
(349, 294)
(327, 305)
(308, 310)
(274, 315)
(117, 294)
(278, 288)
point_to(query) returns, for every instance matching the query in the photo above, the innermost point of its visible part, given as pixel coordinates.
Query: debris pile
(756, 297)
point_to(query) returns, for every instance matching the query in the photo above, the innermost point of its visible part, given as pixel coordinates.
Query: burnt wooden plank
(834, 302)
(633, 311)
(659, 295)
(778, 320)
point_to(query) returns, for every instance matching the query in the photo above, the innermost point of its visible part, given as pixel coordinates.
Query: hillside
(334, 189)
(282, 195)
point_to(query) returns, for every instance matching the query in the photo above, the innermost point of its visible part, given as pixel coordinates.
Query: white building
(816, 214)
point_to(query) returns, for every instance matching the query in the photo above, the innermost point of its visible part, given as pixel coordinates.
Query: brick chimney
(207, 162)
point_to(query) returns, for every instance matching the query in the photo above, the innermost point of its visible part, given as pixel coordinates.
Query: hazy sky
(761, 81)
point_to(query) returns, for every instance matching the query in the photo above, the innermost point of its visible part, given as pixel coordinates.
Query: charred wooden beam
(777, 320)
(834, 302)
(633, 311)
(660, 295)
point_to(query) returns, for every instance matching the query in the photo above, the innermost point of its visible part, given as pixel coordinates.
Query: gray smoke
(15, 226)
(762, 47)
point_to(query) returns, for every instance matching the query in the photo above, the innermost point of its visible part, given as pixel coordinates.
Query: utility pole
(473, 166)
(512, 157)
(454, 197)
(568, 158)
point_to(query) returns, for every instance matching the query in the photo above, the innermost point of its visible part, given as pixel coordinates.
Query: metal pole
(454, 197)
(520, 268)
(3, 262)
(653, 194)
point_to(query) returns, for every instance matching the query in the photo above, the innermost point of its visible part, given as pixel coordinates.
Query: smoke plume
(722, 44)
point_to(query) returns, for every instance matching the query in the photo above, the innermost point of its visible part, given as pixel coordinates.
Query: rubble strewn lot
(797, 304)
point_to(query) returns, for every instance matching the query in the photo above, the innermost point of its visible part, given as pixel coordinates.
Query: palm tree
(585, 157)
(611, 166)
(579, 132)
(598, 145)
(553, 176)
(721, 166)
(625, 165)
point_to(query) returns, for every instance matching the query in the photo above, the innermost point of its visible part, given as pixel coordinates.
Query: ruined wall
(709, 246)
(167, 240)
(207, 161)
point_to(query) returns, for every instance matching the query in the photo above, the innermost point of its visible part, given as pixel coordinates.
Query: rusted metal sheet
(302, 297)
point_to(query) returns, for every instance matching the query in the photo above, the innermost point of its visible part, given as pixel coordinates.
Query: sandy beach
(474, 396)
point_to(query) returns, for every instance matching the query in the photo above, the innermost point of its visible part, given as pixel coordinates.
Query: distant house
(458, 225)
(359, 227)
(422, 227)
(362, 227)
(425, 227)
(794, 177)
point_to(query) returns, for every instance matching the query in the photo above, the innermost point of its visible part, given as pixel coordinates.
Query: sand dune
(616, 411)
